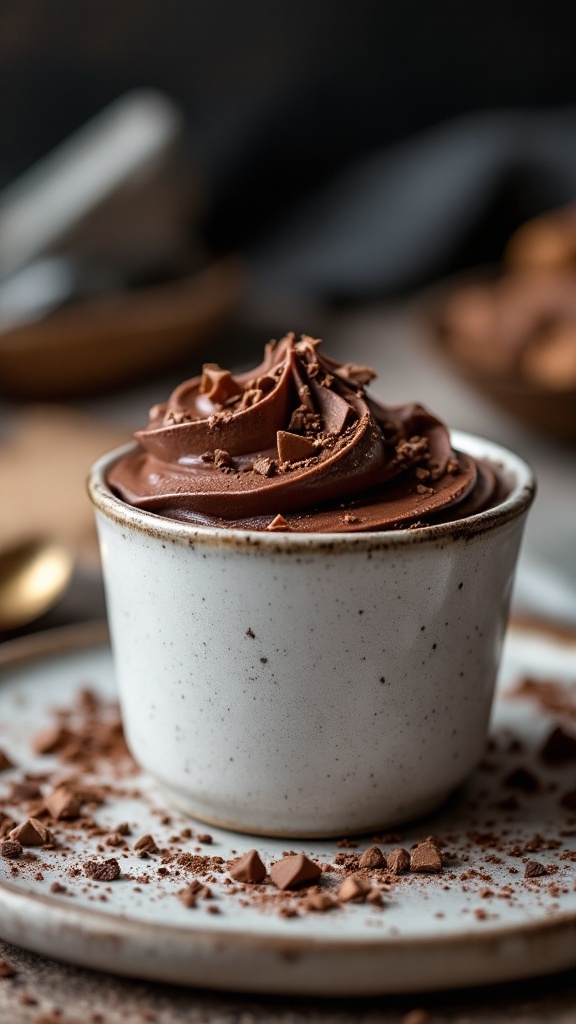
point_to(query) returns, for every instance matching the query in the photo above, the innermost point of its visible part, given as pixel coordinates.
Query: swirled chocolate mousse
(297, 444)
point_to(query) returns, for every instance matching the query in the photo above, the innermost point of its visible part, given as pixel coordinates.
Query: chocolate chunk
(115, 839)
(6, 824)
(64, 803)
(353, 888)
(416, 1017)
(375, 898)
(11, 849)
(426, 858)
(278, 525)
(32, 833)
(569, 800)
(189, 895)
(361, 375)
(248, 868)
(304, 420)
(559, 747)
(204, 837)
(218, 385)
(194, 891)
(223, 459)
(5, 762)
(372, 858)
(50, 741)
(398, 861)
(294, 871)
(22, 791)
(293, 447)
(533, 869)
(522, 779)
(251, 397)
(287, 912)
(102, 871)
(320, 902)
(510, 803)
(265, 466)
(146, 845)
(6, 969)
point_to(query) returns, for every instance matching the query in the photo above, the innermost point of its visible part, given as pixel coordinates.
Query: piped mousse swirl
(298, 445)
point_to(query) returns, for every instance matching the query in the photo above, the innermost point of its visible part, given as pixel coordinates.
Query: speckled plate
(480, 921)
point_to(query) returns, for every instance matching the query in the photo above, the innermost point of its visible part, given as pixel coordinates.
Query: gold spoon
(33, 575)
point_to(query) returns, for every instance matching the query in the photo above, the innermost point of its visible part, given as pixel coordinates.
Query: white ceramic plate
(433, 932)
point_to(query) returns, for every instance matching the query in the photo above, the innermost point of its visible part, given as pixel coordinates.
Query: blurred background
(181, 181)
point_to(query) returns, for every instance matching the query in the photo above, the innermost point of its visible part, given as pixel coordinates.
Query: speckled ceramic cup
(309, 684)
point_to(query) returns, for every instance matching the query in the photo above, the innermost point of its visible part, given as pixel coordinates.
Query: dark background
(278, 94)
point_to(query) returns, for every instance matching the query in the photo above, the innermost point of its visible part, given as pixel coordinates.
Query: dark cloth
(446, 198)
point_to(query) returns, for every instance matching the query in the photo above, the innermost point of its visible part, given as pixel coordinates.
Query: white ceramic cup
(309, 684)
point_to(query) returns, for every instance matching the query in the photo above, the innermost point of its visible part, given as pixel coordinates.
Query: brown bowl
(101, 343)
(548, 410)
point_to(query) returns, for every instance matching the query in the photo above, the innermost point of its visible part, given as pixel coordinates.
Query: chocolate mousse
(298, 445)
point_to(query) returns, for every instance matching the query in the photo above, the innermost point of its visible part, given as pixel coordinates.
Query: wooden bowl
(98, 344)
(550, 411)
